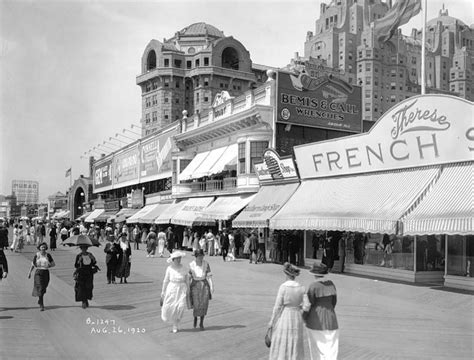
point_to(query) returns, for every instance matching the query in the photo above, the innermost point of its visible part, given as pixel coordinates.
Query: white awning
(364, 203)
(448, 207)
(264, 205)
(187, 174)
(150, 217)
(228, 158)
(172, 210)
(93, 215)
(210, 160)
(135, 218)
(226, 206)
(189, 214)
(123, 215)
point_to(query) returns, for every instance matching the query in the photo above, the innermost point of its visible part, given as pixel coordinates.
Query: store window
(256, 152)
(430, 253)
(241, 156)
(460, 258)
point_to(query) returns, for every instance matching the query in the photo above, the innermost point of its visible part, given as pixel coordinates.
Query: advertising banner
(103, 174)
(155, 155)
(126, 166)
(318, 99)
(422, 130)
(275, 167)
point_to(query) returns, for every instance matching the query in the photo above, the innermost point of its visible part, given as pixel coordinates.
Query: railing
(227, 184)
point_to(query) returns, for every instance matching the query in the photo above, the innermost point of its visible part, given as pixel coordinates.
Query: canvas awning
(226, 206)
(140, 213)
(149, 218)
(93, 215)
(226, 161)
(83, 216)
(172, 210)
(105, 216)
(264, 205)
(189, 214)
(123, 215)
(364, 203)
(187, 173)
(448, 207)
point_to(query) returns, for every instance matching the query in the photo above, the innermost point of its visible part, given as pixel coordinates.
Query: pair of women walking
(294, 307)
(186, 288)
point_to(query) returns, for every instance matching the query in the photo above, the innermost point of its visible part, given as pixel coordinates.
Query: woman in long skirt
(185, 239)
(84, 264)
(174, 291)
(42, 262)
(161, 243)
(201, 287)
(52, 237)
(286, 322)
(151, 243)
(124, 255)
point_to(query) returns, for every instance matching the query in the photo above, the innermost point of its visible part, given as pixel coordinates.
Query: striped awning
(267, 202)
(135, 218)
(172, 210)
(93, 215)
(364, 203)
(226, 206)
(123, 215)
(189, 214)
(150, 217)
(448, 207)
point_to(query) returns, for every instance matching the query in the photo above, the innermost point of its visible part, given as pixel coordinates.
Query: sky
(68, 69)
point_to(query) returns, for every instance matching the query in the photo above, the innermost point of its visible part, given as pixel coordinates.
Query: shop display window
(460, 255)
(430, 254)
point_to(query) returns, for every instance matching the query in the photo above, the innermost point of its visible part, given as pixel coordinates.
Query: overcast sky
(68, 69)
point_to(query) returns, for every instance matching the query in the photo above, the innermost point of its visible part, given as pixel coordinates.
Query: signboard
(126, 165)
(137, 199)
(275, 168)
(318, 99)
(420, 131)
(155, 155)
(103, 174)
(112, 205)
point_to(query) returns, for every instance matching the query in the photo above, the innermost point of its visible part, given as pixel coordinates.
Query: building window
(167, 83)
(197, 62)
(155, 100)
(176, 101)
(393, 86)
(241, 156)
(197, 98)
(155, 84)
(177, 63)
(148, 87)
(393, 98)
(166, 100)
(368, 80)
(206, 81)
(167, 63)
(368, 67)
(189, 64)
(256, 152)
(147, 102)
(154, 116)
(413, 60)
(368, 93)
(393, 73)
(166, 115)
(206, 99)
(147, 118)
(206, 61)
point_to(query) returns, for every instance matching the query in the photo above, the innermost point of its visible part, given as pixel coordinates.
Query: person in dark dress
(85, 264)
(3, 265)
(52, 237)
(253, 247)
(111, 251)
(42, 262)
(3, 235)
(225, 244)
(124, 256)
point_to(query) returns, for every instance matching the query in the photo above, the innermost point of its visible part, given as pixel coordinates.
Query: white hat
(174, 255)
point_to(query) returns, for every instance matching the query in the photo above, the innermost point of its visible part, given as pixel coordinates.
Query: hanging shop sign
(420, 131)
(155, 155)
(137, 199)
(318, 99)
(126, 166)
(112, 205)
(273, 167)
(103, 174)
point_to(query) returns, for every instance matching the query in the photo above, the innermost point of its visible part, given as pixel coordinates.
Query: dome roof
(445, 19)
(201, 29)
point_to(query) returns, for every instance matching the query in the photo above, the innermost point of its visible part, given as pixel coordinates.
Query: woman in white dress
(287, 321)
(161, 242)
(174, 290)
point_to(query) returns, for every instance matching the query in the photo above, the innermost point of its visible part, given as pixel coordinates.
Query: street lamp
(127, 137)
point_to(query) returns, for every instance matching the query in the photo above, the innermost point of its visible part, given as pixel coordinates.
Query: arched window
(151, 60)
(230, 58)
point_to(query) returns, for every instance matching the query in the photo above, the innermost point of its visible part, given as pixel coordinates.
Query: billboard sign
(155, 155)
(103, 174)
(319, 99)
(125, 168)
(275, 167)
(423, 130)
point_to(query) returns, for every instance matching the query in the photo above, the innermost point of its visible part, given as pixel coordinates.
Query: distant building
(57, 201)
(188, 70)
(26, 191)
(390, 72)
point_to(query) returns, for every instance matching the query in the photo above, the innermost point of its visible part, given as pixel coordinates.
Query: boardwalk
(378, 319)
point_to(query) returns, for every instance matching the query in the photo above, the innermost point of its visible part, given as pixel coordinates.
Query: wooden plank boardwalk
(378, 319)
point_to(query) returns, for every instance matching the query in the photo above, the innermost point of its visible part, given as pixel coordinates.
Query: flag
(68, 172)
(397, 16)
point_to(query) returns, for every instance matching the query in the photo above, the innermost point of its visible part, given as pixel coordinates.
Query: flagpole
(70, 178)
(423, 44)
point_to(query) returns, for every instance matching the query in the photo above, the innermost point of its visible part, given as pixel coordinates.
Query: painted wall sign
(422, 130)
(155, 155)
(275, 167)
(126, 166)
(103, 174)
(323, 101)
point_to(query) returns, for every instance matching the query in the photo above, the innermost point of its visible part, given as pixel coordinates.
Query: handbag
(268, 337)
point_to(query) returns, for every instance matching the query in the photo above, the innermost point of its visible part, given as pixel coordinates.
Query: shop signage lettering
(126, 166)
(274, 168)
(156, 155)
(420, 131)
(103, 174)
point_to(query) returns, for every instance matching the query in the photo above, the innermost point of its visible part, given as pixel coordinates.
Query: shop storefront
(401, 195)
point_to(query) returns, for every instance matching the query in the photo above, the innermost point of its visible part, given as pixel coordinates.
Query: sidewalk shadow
(115, 307)
(6, 317)
(212, 328)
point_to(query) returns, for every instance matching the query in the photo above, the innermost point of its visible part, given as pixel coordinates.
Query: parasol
(81, 239)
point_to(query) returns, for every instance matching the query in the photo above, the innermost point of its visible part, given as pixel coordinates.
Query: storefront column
(414, 254)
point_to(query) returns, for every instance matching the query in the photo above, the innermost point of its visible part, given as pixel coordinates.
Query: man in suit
(224, 243)
(111, 250)
(170, 238)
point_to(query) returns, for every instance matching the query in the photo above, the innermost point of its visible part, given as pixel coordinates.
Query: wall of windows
(460, 255)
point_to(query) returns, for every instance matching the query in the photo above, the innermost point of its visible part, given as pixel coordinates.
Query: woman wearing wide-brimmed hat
(42, 262)
(201, 287)
(320, 319)
(174, 290)
(86, 266)
(286, 323)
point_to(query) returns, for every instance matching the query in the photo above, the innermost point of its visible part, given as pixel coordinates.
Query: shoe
(120, 281)
(41, 308)
(175, 329)
(148, 256)
(84, 305)
(113, 282)
(201, 327)
(108, 282)
(87, 303)
(125, 281)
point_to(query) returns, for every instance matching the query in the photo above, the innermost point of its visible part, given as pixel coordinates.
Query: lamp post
(127, 137)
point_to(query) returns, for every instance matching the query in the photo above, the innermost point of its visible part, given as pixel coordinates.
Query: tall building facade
(186, 72)
(26, 191)
(389, 72)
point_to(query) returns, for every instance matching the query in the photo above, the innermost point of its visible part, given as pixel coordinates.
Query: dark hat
(123, 234)
(319, 269)
(199, 252)
(290, 270)
(43, 243)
